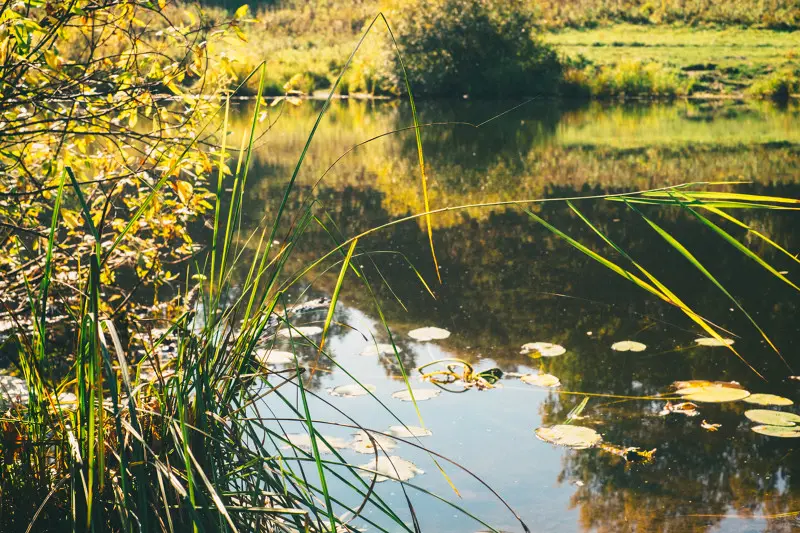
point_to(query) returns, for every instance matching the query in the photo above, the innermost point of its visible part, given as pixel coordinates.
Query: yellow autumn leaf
(241, 12)
(184, 190)
(71, 218)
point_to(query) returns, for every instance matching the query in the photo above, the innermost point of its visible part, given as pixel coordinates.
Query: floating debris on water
(710, 427)
(542, 349)
(631, 454)
(428, 334)
(569, 436)
(683, 408)
(351, 390)
(628, 346)
(393, 467)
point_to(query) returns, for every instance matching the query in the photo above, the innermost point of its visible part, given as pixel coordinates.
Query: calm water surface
(507, 281)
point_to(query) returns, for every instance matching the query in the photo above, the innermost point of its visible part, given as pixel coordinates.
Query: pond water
(507, 281)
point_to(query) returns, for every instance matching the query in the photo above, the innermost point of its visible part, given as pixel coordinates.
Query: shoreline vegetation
(592, 49)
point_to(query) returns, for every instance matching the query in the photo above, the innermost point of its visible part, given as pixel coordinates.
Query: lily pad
(405, 432)
(772, 418)
(363, 444)
(714, 393)
(300, 331)
(428, 334)
(710, 341)
(379, 349)
(768, 399)
(628, 346)
(778, 431)
(303, 441)
(351, 390)
(419, 394)
(543, 349)
(575, 437)
(541, 380)
(274, 357)
(393, 467)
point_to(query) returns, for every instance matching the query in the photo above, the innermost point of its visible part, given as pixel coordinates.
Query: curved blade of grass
(661, 290)
(758, 234)
(742, 248)
(699, 266)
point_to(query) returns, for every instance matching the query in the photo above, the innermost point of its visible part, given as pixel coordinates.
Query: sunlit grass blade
(699, 266)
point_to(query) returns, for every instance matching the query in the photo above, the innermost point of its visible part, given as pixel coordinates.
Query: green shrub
(479, 47)
(632, 78)
(778, 86)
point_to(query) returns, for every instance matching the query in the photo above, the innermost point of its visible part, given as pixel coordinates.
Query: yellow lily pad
(575, 437)
(714, 393)
(772, 418)
(768, 399)
(543, 349)
(428, 334)
(711, 341)
(541, 380)
(778, 431)
(628, 346)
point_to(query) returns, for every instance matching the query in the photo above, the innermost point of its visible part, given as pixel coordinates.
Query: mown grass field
(715, 61)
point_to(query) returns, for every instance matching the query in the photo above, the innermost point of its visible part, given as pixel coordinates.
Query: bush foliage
(476, 47)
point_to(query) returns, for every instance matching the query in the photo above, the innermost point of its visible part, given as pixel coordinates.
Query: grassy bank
(606, 49)
(626, 58)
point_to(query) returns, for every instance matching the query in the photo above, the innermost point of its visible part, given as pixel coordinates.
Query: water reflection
(507, 281)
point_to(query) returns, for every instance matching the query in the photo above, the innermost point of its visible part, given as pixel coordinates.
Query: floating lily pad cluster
(775, 423)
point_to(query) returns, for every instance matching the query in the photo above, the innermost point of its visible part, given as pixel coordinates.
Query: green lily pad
(714, 393)
(628, 346)
(351, 390)
(575, 437)
(379, 349)
(778, 431)
(768, 399)
(772, 418)
(543, 349)
(300, 331)
(405, 432)
(419, 394)
(541, 380)
(711, 341)
(428, 334)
